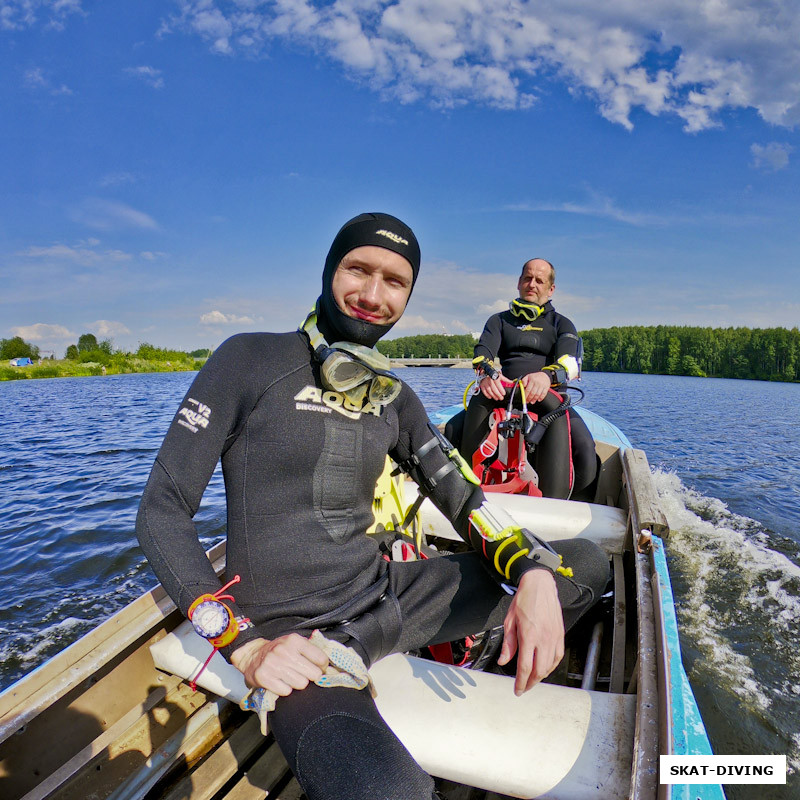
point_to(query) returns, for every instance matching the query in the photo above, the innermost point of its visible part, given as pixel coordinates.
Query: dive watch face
(210, 619)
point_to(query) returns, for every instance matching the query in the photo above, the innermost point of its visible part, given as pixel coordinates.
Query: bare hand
(534, 629)
(493, 389)
(280, 665)
(537, 385)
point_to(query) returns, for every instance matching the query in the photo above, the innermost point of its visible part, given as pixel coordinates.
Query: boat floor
(244, 765)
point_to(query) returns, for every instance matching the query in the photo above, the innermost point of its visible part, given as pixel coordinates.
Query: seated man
(539, 346)
(303, 422)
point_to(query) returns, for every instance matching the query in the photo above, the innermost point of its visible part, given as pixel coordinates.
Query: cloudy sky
(173, 171)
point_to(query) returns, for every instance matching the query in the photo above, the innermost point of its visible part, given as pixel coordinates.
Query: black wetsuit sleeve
(567, 341)
(488, 345)
(452, 494)
(207, 422)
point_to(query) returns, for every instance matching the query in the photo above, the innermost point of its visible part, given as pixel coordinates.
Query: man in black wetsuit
(539, 346)
(303, 423)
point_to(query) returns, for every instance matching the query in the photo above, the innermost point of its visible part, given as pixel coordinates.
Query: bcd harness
(502, 460)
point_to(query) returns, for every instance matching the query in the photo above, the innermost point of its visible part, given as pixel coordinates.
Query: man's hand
(280, 665)
(537, 385)
(534, 629)
(493, 389)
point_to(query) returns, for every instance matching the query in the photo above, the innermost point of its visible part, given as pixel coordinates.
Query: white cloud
(663, 57)
(111, 215)
(150, 75)
(595, 206)
(218, 318)
(84, 253)
(450, 298)
(19, 14)
(36, 79)
(771, 157)
(117, 179)
(42, 331)
(493, 308)
(106, 328)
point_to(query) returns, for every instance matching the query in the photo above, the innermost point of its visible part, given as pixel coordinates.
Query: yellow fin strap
(508, 539)
(511, 560)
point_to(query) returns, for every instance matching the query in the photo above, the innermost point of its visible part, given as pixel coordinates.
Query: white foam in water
(718, 544)
(22, 648)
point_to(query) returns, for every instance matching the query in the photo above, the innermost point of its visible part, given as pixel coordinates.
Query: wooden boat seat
(553, 520)
(553, 742)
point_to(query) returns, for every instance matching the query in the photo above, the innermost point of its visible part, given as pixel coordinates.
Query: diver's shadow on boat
(444, 680)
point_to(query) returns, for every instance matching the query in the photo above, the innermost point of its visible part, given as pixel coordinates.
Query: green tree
(72, 353)
(689, 366)
(18, 348)
(674, 355)
(86, 342)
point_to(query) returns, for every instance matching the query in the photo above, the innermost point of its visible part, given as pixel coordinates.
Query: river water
(75, 454)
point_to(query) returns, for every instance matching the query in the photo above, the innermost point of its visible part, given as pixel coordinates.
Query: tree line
(435, 345)
(771, 354)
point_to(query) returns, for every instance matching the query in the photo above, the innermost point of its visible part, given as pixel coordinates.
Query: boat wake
(737, 595)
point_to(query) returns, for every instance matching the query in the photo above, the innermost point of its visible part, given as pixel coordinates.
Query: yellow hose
(464, 398)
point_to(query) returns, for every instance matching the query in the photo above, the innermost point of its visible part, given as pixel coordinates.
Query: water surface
(75, 454)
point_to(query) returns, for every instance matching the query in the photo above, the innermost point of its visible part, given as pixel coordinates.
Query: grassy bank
(75, 369)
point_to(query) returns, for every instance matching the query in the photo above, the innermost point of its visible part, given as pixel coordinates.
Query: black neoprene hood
(380, 230)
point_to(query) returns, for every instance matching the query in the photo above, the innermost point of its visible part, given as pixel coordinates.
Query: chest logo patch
(530, 328)
(326, 401)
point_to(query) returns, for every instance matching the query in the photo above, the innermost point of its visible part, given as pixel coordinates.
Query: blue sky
(173, 171)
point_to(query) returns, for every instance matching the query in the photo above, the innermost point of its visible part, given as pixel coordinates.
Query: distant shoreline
(72, 369)
(91, 369)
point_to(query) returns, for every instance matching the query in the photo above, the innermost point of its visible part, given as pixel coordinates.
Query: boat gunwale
(55, 678)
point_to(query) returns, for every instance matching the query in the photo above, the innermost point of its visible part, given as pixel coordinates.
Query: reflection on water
(75, 454)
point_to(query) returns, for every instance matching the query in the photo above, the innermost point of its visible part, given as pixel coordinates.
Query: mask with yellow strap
(525, 310)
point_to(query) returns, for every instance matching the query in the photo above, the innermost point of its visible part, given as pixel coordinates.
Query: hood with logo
(380, 230)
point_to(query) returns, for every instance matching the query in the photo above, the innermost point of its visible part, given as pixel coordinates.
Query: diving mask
(353, 369)
(528, 311)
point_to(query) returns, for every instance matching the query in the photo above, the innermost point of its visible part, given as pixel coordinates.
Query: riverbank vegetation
(771, 354)
(89, 357)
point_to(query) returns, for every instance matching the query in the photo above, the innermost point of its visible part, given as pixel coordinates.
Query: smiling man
(303, 422)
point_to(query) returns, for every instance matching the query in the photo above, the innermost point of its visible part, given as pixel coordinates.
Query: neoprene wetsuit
(524, 347)
(300, 470)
